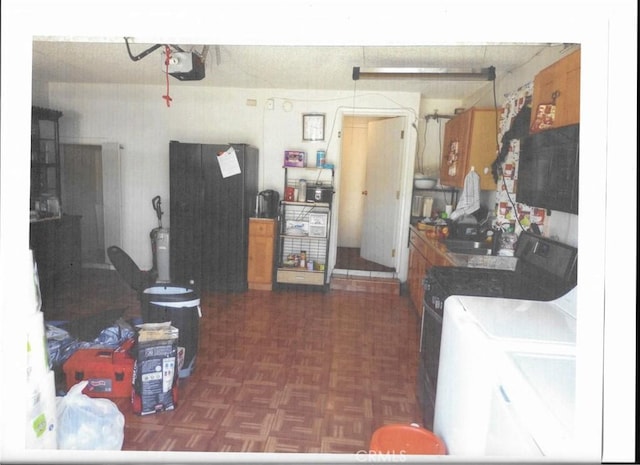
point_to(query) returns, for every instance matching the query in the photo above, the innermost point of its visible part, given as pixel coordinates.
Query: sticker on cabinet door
(545, 117)
(452, 158)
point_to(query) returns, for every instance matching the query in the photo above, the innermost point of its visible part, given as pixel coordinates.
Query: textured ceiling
(287, 67)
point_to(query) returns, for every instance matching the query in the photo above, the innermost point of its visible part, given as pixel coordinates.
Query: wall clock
(313, 126)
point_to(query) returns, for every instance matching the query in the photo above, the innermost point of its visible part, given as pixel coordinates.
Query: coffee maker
(267, 204)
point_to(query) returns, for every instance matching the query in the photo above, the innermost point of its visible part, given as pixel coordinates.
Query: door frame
(111, 159)
(406, 182)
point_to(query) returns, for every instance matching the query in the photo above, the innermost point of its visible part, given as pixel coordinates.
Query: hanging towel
(470, 198)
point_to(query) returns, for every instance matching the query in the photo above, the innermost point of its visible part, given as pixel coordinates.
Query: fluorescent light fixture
(445, 74)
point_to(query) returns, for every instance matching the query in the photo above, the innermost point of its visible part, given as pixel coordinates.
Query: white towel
(470, 198)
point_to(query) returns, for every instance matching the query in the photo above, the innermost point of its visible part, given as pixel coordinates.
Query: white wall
(137, 117)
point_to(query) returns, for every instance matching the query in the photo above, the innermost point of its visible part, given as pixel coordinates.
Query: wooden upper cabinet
(470, 140)
(558, 84)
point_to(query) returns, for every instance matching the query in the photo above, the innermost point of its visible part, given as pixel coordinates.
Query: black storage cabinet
(210, 215)
(180, 306)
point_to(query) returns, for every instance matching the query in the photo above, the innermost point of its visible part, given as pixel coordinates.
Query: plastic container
(109, 373)
(302, 190)
(406, 439)
(180, 306)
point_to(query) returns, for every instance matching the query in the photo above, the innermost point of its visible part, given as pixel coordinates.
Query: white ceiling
(286, 67)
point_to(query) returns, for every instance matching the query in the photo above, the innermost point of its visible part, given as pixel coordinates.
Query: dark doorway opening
(348, 258)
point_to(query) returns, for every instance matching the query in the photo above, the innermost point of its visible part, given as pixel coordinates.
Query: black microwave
(548, 169)
(319, 193)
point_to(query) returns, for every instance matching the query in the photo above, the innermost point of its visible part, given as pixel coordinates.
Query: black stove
(545, 270)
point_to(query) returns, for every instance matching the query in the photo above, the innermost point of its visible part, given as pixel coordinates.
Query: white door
(385, 147)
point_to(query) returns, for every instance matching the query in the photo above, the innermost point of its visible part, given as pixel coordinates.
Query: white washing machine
(506, 380)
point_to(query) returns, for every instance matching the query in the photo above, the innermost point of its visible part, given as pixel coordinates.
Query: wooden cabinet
(45, 162)
(417, 271)
(470, 141)
(423, 254)
(55, 243)
(559, 84)
(262, 236)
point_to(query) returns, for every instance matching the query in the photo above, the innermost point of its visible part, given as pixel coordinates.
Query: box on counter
(109, 373)
(155, 373)
(295, 158)
(434, 230)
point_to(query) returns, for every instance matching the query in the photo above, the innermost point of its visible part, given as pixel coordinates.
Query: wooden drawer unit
(423, 254)
(418, 242)
(262, 227)
(262, 236)
(300, 277)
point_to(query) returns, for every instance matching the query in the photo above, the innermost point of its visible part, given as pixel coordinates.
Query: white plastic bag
(88, 423)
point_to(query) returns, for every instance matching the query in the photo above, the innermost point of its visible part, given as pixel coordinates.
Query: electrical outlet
(270, 104)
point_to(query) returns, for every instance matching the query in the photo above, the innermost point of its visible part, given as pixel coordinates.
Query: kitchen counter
(426, 252)
(466, 260)
(33, 219)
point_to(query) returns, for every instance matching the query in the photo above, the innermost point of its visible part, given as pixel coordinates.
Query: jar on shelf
(302, 190)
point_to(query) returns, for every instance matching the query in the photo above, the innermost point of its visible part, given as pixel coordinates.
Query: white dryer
(506, 382)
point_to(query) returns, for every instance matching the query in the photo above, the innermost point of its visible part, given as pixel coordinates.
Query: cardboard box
(109, 373)
(155, 375)
(295, 159)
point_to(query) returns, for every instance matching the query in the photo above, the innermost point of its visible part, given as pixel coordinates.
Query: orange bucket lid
(406, 439)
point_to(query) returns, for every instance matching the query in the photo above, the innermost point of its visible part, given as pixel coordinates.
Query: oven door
(428, 362)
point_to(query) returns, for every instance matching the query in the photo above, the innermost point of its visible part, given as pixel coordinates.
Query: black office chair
(136, 278)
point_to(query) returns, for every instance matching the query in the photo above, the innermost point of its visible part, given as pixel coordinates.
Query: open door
(91, 188)
(385, 147)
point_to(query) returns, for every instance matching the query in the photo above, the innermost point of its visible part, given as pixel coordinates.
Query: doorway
(90, 188)
(367, 230)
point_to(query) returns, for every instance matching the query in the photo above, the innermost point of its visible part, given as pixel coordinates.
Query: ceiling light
(444, 74)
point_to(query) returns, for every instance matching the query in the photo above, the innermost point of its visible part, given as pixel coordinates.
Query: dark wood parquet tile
(281, 371)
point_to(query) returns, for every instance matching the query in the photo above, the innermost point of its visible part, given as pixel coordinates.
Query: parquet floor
(281, 371)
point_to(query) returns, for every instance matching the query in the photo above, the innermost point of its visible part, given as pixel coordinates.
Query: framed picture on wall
(312, 126)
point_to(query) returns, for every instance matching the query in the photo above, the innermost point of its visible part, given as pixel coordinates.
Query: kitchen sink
(466, 246)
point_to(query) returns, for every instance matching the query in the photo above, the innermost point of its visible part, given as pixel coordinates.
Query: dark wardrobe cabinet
(210, 215)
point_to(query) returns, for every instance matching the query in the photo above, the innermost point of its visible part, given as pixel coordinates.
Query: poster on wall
(511, 215)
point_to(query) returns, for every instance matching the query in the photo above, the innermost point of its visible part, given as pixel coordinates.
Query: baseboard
(365, 284)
